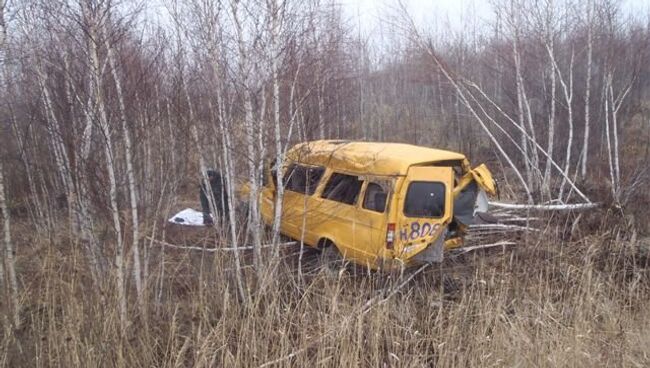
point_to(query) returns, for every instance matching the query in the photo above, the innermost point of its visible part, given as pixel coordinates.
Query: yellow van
(381, 205)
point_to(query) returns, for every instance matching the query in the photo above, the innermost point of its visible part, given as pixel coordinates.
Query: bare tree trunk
(232, 218)
(133, 190)
(9, 257)
(590, 44)
(614, 153)
(568, 99)
(259, 172)
(253, 177)
(9, 252)
(459, 90)
(92, 44)
(521, 96)
(279, 152)
(533, 141)
(79, 214)
(551, 135)
(253, 214)
(549, 45)
(37, 210)
(608, 137)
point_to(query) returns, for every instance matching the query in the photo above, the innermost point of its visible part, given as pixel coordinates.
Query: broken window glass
(303, 179)
(375, 198)
(425, 199)
(464, 203)
(343, 188)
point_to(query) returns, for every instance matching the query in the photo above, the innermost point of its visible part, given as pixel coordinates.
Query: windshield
(425, 199)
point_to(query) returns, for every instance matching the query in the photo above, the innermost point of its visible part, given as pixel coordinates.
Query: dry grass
(546, 303)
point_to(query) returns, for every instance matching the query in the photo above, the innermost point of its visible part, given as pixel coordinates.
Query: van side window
(375, 198)
(425, 199)
(303, 179)
(343, 188)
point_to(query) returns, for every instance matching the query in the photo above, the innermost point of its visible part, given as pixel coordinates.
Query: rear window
(342, 188)
(425, 199)
(375, 199)
(303, 179)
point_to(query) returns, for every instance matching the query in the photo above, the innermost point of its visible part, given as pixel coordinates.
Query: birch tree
(246, 72)
(9, 255)
(130, 171)
(94, 18)
(590, 50)
(276, 12)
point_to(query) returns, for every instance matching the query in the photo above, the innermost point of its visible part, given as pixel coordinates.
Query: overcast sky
(426, 13)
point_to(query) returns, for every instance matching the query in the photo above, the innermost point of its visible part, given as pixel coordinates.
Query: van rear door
(484, 179)
(424, 210)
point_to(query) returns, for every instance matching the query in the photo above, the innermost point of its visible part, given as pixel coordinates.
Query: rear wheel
(330, 257)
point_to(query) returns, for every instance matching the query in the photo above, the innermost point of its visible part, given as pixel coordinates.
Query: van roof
(378, 158)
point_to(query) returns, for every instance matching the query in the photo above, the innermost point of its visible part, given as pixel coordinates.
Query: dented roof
(377, 158)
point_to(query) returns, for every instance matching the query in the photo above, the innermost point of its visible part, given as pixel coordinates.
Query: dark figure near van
(220, 195)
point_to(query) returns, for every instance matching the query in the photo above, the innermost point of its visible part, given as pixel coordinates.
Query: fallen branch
(547, 207)
(518, 219)
(227, 249)
(479, 227)
(482, 246)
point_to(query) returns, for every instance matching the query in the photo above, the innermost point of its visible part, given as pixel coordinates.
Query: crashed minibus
(380, 205)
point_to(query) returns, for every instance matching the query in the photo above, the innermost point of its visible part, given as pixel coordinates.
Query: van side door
(372, 218)
(336, 212)
(300, 185)
(424, 210)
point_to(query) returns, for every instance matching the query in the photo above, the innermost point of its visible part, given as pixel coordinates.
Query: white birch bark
(133, 190)
(614, 152)
(533, 141)
(212, 45)
(459, 90)
(549, 45)
(75, 190)
(279, 152)
(9, 252)
(92, 43)
(608, 137)
(478, 118)
(251, 149)
(9, 257)
(79, 214)
(590, 47)
(534, 175)
(230, 187)
(83, 212)
(551, 135)
(567, 90)
(521, 96)
(194, 132)
(37, 210)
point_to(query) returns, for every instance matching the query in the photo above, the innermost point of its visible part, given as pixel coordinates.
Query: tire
(330, 258)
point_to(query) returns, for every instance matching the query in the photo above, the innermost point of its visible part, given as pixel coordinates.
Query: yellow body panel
(369, 157)
(360, 234)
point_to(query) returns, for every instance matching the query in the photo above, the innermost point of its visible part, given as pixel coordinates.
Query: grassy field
(552, 300)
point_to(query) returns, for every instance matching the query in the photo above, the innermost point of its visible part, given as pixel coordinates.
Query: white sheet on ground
(188, 217)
